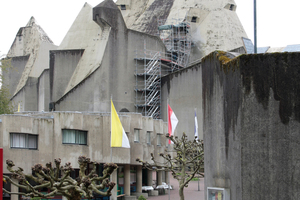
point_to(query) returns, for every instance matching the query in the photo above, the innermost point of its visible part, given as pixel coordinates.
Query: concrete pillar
(139, 178)
(114, 192)
(167, 174)
(127, 180)
(159, 178)
(14, 189)
(149, 177)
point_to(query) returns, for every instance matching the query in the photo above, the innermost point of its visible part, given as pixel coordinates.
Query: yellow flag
(118, 135)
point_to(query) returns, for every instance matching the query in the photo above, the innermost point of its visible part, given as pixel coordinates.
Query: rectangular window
(23, 141)
(123, 7)
(148, 135)
(71, 136)
(194, 19)
(167, 142)
(158, 138)
(136, 135)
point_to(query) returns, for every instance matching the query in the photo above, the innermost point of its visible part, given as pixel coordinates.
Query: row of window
(148, 137)
(30, 141)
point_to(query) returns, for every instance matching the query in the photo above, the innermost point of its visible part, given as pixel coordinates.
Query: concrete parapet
(130, 197)
(153, 193)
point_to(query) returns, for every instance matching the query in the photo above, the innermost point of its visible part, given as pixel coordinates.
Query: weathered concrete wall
(184, 91)
(44, 91)
(48, 127)
(114, 77)
(27, 97)
(216, 26)
(13, 74)
(62, 66)
(252, 125)
(33, 42)
(25, 158)
(30, 57)
(31, 94)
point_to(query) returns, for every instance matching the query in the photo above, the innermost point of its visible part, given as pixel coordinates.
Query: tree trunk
(75, 195)
(181, 192)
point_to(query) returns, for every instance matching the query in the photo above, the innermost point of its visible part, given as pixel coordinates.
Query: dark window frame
(194, 19)
(123, 7)
(27, 135)
(76, 142)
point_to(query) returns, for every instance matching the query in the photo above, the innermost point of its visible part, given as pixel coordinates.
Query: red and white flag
(172, 122)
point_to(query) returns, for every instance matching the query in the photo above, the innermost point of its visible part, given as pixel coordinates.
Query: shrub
(142, 198)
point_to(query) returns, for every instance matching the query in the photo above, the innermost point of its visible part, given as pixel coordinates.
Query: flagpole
(168, 145)
(110, 128)
(255, 28)
(111, 178)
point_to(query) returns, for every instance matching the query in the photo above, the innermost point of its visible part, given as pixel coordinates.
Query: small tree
(6, 106)
(188, 160)
(59, 182)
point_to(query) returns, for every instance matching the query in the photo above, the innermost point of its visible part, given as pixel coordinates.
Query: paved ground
(190, 193)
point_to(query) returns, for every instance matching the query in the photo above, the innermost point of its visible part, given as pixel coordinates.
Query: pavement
(190, 193)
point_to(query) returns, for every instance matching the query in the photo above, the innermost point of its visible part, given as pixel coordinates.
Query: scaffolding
(177, 39)
(151, 64)
(148, 83)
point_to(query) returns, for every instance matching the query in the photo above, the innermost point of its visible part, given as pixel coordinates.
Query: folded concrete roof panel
(31, 41)
(88, 35)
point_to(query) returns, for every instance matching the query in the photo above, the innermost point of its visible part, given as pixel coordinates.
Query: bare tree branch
(48, 177)
(188, 160)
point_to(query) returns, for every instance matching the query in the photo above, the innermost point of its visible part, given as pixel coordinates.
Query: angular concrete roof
(108, 4)
(217, 27)
(88, 36)
(31, 41)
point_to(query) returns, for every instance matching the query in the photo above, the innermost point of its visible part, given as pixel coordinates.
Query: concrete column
(159, 178)
(127, 180)
(163, 176)
(114, 191)
(14, 189)
(139, 179)
(149, 177)
(167, 174)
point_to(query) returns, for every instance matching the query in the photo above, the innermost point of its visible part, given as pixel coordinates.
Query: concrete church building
(132, 51)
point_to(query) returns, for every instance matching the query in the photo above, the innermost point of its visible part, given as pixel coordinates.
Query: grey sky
(277, 20)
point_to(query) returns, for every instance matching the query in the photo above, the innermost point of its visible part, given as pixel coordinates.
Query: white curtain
(74, 137)
(32, 141)
(18, 140)
(158, 140)
(136, 135)
(148, 137)
(80, 137)
(68, 136)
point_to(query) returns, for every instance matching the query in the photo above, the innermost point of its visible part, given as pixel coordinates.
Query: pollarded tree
(188, 161)
(58, 180)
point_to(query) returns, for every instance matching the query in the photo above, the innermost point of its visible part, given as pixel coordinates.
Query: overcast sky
(278, 24)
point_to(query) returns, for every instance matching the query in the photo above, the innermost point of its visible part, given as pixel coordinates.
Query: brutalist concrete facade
(183, 90)
(252, 124)
(48, 127)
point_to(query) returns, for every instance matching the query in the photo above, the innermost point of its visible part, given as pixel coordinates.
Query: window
(194, 19)
(71, 136)
(23, 141)
(148, 136)
(136, 135)
(231, 7)
(158, 138)
(167, 143)
(123, 7)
